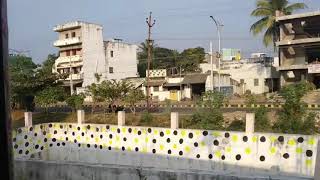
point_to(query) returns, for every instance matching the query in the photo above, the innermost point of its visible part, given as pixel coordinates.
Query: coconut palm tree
(267, 10)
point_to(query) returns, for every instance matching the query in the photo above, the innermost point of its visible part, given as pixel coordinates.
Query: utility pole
(211, 61)
(71, 82)
(150, 24)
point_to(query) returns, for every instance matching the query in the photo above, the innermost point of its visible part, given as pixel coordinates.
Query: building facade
(83, 54)
(299, 49)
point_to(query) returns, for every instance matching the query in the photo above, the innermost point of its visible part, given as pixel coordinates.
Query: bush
(237, 125)
(250, 98)
(208, 119)
(146, 117)
(262, 123)
(75, 101)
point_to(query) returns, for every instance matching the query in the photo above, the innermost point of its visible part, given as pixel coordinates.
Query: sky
(179, 24)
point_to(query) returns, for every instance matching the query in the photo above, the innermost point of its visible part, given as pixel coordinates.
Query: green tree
(189, 59)
(267, 10)
(261, 123)
(75, 101)
(294, 118)
(132, 97)
(50, 96)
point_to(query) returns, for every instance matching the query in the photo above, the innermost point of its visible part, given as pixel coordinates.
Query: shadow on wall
(213, 153)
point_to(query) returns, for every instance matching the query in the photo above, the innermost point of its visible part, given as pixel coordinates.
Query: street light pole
(211, 61)
(219, 25)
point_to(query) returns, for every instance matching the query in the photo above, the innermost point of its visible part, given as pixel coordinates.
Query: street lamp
(219, 26)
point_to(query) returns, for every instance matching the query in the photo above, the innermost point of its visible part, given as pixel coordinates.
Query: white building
(83, 51)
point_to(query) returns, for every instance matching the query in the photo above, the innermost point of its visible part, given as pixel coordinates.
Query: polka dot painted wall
(287, 153)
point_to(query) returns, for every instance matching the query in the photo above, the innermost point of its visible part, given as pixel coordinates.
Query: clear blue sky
(180, 23)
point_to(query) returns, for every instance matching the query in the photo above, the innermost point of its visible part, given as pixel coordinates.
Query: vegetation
(250, 98)
(133, 96)
(237, 125)
(267, 11)
(262, 123)
(75, 101)
(146, 117)
(50, 96)
(294, 118)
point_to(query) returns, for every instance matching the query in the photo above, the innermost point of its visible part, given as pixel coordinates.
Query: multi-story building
(83, 51)
(299, 49)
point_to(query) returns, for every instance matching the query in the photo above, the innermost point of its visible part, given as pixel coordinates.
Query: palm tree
(267, 10)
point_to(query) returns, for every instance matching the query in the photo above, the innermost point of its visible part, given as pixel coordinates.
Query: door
(174, 95)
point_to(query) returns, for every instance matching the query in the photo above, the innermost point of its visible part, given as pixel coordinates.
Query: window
(242, 81)
(256, 82)
(110, 70)
(111, 53)
(73, 34)
(68, 53)
(67, 36)
(74, 52)
(156, 88)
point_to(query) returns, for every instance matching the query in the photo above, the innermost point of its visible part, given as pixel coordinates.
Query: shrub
(146, 117)
(75, 101)
(237, 125)
(208, 119)
(262, 123)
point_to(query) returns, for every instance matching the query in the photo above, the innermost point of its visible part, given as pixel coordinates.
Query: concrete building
(83, 51)
(299, 49)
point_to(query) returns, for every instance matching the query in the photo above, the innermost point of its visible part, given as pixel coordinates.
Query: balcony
(68, 59)
(67, 42)
(293, 67)
(306, 41)
(78, 76)
(67, 26)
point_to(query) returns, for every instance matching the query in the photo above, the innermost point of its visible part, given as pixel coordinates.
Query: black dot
(168, 140)
(26, 144)
(286, 156)
(101, 136)
(79, 145)
(100, 146)
(25, 137)
(238, 157)
(154, 151)
(88, 127)
(92, 136)
(78, 128)
(280, 138)
(154, 141)
(139, 132)
(109, 148)
(50, 125)
(195, 144)
(88, 145)
(205, 133)
(149, 130)
(20, 151)
(110, 136)
(65, 132)
(45, 139)
(198, 156)
(262, 158)
(67, 138)
(223, 157)
(61, 127)
(210, 156)
(118, 130)
(107, 127)
(35, 134)
(180, 153)
(31, 129)
(19, 131)
(96, 146)
(70, 126)
(58, 144)
(136, 149)
(36, 146)
(245, 139)
(55, 132)
(41, 126)
(14, 139)
(44, 133)
(41, 148)
(161, 134)
(300, 139)
(181, 141)
(123, 148)
(175, 132)
(262, 139)
(169, 151)
(227, 135)
(75, 141)
(73, 133)
(124, 139)
(129, 130)
(190, 135)
(216, 142)
(309, 153)
(63, 143)
(97, 129)
(50, 145)
(27, 152)
(16, 146)
(82, 134)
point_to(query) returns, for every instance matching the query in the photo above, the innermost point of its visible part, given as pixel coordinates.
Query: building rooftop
(71, 25)
(298, 16)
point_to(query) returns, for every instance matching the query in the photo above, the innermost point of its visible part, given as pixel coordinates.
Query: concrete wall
(183, 149)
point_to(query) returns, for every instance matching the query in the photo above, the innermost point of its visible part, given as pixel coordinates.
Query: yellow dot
(215, 134)
(234, 138)
(104, 145)
(197, 133)
(129, 149)
(78, 138)
(113, 129)
(254, 139)
(273, 150)
(135, 130)
(292, 142)
(117, 138)
(110, 142)
(228, 149)
(83, 128)
(87, 139)
(217, 154)
(161, 147)
(167, 131)
(248, 151)
(49, 135)
(187, 149)
(308, 162)
(155, 132)
(174, 146)
(299, 150)
(147, 139)
(273, 139)
(311, 141)
(183, 133)
(123, 130)
(39, 141)
(144, 131)
(136, 140)
(202, 143)
(144, 149)
(96, 139)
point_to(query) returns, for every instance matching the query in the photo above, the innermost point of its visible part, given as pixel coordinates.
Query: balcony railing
(66, 42)
(78, 76)
(67, 59)
(67, 26)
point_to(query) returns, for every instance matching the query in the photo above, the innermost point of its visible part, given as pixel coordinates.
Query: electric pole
(150, 24)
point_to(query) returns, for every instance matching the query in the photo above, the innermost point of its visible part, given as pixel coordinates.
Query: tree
(261, 123)
(75, 101)
(294, 118)
(133, 96)
(189, 59)
(50, 96)
(267, 11)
